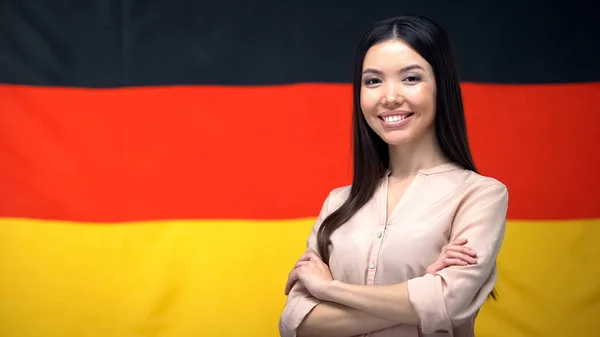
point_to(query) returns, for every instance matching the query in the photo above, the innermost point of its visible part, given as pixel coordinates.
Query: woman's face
(398, 93)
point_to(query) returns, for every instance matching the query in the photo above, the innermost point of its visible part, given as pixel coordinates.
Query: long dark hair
(371, 156)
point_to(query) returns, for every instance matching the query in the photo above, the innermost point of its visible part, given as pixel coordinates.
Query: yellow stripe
(226, 278)
(549, 281)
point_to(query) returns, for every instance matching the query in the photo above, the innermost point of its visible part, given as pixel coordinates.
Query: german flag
(161, 164)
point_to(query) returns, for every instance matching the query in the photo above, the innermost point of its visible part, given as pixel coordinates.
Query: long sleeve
(454, 294)
(299, 302)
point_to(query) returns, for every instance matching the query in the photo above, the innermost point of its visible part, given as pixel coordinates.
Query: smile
(396, 120)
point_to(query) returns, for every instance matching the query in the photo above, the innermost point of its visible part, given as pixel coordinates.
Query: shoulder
(476, 184)
(482, 197)
(455, 184)
(336, 197)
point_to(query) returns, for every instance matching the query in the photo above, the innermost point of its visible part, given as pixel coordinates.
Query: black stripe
(110, 43)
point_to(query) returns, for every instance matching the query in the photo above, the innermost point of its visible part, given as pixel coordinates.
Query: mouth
(396, 119)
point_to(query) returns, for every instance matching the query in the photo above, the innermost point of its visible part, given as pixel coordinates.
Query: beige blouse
(440, 205)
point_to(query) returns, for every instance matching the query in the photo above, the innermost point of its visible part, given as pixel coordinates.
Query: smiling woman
(147, 163)
(415, 190)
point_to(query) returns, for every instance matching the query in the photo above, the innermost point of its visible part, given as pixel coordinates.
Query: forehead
(393, 55)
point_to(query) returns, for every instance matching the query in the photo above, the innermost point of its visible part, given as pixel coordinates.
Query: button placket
(374, 256)
(377, 236)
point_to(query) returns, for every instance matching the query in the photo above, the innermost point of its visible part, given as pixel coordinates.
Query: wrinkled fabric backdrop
(161, 164)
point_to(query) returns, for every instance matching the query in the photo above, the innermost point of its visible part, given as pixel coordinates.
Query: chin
(396, 138)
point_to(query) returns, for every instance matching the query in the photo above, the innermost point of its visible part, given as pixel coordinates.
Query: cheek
(424, 99)
(368, 101)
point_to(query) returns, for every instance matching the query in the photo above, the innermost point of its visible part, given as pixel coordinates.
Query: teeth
(392, 119)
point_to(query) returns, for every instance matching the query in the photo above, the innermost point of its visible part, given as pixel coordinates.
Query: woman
(414, 190)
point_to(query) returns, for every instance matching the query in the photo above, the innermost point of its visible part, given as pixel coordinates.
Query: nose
(392, 96)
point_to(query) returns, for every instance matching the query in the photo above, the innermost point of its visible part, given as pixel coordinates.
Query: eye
(371, 81)
(412, 79)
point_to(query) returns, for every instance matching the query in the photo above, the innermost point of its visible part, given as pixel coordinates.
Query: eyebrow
(403, 70)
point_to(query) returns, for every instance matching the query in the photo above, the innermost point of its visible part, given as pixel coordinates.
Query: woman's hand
(313, 273)
(453, 254)
(316, 277)
(292, 277)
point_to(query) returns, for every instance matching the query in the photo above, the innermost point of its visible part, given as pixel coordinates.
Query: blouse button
(379, 235)
(372, 265)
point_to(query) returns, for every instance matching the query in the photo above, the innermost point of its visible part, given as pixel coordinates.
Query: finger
(305, 256)
(300, 264)
(461, 241)
(448, 262)
(312, 256)
(290, 282)
(463, 250)
(457, 242)
(444, 263)
(437, 267)
(288, 287)
(460, 256)
(308, 256)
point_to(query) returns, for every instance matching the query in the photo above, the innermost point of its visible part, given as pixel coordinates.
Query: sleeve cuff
(427, 298)
(294, 314)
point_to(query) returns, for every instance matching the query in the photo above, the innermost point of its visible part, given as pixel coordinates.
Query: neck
(407, 159)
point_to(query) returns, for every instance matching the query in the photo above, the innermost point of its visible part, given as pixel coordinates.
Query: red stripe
(266, 152)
